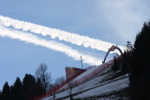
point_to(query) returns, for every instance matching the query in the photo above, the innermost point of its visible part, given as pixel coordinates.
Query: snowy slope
(93, 86)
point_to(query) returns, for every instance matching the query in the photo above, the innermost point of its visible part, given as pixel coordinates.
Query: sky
(24, 48)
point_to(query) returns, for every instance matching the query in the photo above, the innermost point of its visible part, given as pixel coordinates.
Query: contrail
(27, 37)
(56, 33)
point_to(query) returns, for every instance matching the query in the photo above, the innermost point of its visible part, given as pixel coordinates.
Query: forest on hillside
(136, 62)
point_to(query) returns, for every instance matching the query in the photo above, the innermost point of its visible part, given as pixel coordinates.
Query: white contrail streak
(26, 37)
(56, 33)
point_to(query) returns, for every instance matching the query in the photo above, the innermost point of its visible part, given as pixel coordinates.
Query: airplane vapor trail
(30, 38)
(56, 33)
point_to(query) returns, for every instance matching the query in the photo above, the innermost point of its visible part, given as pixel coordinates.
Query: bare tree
(59, 80)
(45, 77)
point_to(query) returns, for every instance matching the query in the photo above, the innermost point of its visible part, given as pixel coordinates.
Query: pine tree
(16, 90)
(140, 66)
(0, 95)
(6, 92)
(39, 88)
(29, 87)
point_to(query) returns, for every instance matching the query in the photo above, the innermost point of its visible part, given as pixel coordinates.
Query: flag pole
(81, 62)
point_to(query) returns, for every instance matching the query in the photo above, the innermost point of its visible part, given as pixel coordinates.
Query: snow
(116, 85)
(95, 85)
(89, 74)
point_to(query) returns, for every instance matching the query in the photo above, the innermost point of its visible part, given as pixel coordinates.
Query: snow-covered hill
(98, 82)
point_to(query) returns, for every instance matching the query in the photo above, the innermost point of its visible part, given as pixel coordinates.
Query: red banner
(71, 71)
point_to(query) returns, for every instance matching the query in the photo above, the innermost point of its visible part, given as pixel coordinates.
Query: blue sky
(115, 21)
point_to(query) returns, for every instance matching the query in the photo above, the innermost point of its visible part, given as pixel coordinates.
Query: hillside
(99, 82)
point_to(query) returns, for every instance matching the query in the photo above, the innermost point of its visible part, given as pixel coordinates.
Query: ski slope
(94, 82)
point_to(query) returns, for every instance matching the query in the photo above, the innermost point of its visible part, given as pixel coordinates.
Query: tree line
(136, 62)
(31, 86)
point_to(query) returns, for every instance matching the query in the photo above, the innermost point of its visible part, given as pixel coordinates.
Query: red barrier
(71, 71)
